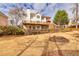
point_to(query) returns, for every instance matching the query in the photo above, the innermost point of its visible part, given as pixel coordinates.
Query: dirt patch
(59, 39)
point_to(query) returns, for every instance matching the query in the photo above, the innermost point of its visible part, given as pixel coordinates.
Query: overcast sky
(47, 9)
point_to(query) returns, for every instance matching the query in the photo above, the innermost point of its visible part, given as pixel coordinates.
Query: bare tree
(17, 14)
(75, 12)
(76, 15)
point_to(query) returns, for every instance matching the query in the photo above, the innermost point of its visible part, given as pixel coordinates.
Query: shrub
(1, 32)
(12, 30)
(19, 31)
(9, 30)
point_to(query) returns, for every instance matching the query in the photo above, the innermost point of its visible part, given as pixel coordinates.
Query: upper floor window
(32, 15)
(38, 16)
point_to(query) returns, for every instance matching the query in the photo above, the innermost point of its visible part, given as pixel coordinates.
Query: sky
(46, 9)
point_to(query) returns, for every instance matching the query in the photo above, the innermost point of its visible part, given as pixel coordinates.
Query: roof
(2, 14)
(46, 17)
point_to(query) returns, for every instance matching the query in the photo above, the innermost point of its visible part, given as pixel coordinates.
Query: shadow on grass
(64, 53)
(59, 39)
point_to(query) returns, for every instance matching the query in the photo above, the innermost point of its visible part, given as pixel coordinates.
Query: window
(45, 27)
(32, 15)
(30, 27)
(38, 27)
(38, 16)
(33, 28)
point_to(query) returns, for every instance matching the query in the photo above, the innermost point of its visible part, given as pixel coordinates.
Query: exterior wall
(44, 20)
(28, 14)
(3, 21)
(36, 28)
(48, 20)
(36, 19)
(28, 17)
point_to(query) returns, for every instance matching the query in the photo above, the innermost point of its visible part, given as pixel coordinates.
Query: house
(31, 21)
(3, 19)
(42, 26)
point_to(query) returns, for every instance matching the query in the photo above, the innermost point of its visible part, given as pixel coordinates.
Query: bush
(12, 30)
(9, 30)
(19, 31)
(69, 29)
(1, 32)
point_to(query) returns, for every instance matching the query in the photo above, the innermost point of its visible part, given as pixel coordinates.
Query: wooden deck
(35, 23)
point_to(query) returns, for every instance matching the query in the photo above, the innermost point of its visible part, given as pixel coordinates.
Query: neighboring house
(3, 19)
(72, 23)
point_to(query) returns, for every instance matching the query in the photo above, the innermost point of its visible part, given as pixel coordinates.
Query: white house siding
(36, 19)
(27, 17)
(28, 14)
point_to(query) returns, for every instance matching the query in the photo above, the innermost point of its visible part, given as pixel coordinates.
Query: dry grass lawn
(38, 45)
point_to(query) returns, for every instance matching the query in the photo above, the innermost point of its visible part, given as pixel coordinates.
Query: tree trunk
(76, 15)
(76, 25)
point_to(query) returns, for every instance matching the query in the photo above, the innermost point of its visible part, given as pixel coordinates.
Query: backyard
(49, 44)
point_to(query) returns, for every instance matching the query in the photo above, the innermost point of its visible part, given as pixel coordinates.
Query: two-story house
(31, 20)
(36, 23)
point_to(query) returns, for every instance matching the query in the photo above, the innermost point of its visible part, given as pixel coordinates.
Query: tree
(75, 12)
(61, 18)
(17, 16)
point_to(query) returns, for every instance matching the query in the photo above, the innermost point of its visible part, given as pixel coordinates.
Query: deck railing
(34, 22)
